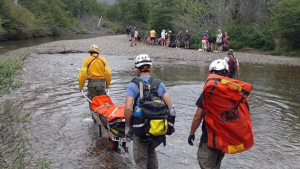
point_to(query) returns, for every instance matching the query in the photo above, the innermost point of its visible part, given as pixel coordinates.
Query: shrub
(117, 27)
(8, 69)
(236, 45)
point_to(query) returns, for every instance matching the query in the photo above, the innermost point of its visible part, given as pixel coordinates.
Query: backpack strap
(223, 81)
(232, 57)
(87, 68)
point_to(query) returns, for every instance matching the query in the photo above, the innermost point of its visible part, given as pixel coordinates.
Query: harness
(87, 68)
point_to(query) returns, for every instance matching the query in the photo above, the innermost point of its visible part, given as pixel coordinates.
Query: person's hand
(238, 74)
(191, 139)
(127, 128)
(128, 133)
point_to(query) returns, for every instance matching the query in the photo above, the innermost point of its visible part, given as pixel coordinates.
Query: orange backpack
(227, 114)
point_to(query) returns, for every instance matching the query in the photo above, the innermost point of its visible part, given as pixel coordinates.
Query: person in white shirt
(163, 38)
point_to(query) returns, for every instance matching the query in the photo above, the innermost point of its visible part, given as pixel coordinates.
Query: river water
(62, 129)
(6, 46)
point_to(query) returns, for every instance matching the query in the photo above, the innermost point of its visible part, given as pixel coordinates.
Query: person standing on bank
(152, 36)
(208, 158)
(136, 34)
(186, 39)
(163, 38)
(226, 38)
(220, 41)
(233, 64)
(212, 41)
(96, 70)
(178, 39)
(132, 35)
(143, 152)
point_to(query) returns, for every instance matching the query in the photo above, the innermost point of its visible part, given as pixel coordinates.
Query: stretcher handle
(85, 96)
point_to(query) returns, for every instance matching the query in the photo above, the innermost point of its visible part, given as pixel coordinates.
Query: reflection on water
(61, 130)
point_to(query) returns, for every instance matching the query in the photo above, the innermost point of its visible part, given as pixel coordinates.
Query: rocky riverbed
(120, 45)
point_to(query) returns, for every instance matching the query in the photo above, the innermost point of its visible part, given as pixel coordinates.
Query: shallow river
(63, 131)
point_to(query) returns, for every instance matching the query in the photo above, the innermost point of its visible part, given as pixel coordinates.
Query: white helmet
(142, 59)
(217, 65)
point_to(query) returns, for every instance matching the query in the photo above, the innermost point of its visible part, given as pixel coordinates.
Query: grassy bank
(13, 150)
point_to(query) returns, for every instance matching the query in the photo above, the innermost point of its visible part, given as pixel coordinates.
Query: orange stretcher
(110, 118)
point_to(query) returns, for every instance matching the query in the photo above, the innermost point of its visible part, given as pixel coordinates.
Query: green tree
(2, 31)
(161, 15)
(286, 19)
(17, 21)
(134, 12)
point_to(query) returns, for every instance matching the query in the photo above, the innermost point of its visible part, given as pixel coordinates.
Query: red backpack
(227, 114)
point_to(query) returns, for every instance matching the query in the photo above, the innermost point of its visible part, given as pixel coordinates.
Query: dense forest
(271, 25)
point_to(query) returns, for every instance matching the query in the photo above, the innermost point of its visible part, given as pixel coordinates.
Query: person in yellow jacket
(95, 69)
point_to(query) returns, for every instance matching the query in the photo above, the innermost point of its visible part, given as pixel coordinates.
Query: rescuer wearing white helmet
(219, 67)
(143, 151)
(96, 70)
(207, 157)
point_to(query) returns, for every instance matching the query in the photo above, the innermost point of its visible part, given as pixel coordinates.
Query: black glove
(191, 139)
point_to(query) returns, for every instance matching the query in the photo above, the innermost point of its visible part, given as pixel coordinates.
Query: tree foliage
(47, 17)
(286, 21)
(17, 21)
(252, 23)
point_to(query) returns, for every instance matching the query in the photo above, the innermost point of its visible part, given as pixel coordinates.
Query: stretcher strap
(98, 108)
(113, 113)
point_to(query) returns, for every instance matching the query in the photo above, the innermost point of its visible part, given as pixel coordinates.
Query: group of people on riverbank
(208, 41)
(154, 96)
(164, 39)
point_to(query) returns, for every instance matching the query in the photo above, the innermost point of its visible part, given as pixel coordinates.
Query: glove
(107, 91)
(191, 139)
(128, 133)
(127, 128)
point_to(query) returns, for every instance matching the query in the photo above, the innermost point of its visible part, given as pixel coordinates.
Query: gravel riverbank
(120, 45)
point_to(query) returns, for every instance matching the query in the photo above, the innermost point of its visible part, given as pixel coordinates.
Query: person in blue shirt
(204, 34)
(144, 153)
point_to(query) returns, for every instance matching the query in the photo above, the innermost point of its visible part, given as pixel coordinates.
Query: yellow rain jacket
(98, 69)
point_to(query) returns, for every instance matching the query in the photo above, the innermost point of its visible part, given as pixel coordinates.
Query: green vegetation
(8, 69)
(48, 17)
(253, 24)
(268, 25)
(286, 25)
